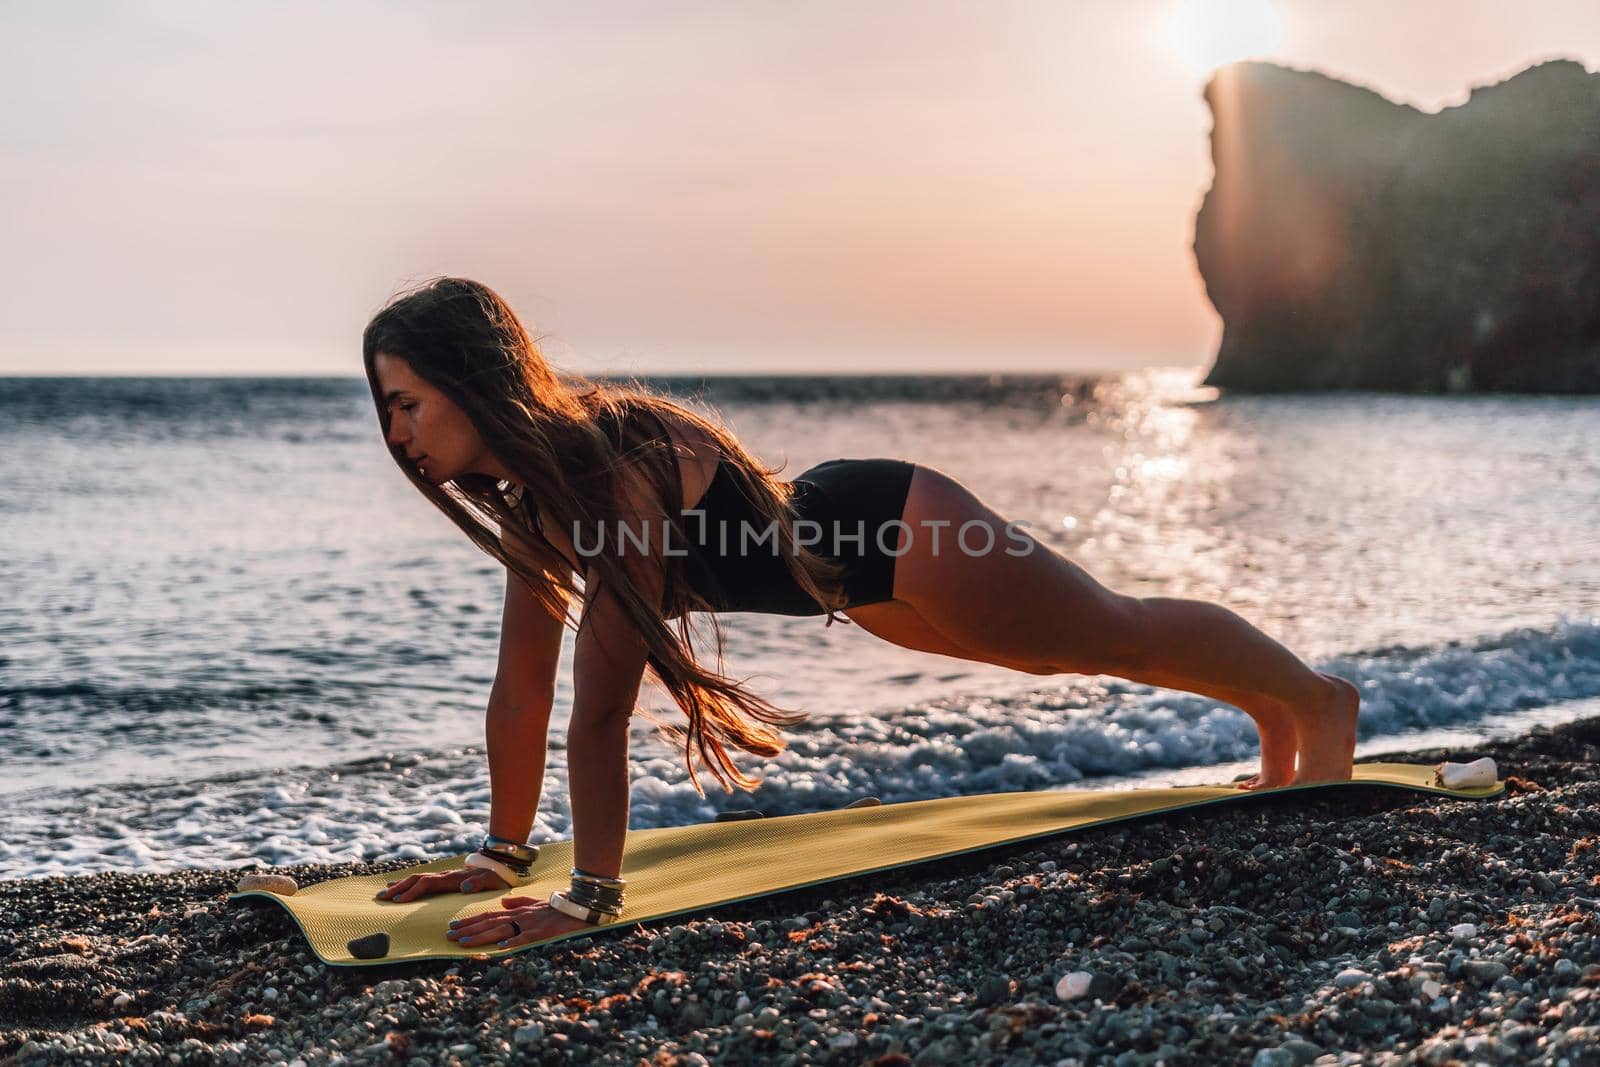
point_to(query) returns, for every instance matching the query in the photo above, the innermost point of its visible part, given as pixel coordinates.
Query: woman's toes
(1259, 781)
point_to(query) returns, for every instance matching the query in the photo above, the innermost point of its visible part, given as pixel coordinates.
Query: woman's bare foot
(1279, 744)
(1326, 735)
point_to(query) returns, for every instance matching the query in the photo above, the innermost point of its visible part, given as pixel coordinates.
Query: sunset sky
(657, 187)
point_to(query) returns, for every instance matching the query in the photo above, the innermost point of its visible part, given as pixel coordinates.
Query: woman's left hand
(535, 918)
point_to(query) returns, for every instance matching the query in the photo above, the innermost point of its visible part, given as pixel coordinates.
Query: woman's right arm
(518, 719)
(515, 727)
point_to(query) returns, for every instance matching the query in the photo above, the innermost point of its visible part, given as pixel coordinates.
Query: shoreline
(1285, 930)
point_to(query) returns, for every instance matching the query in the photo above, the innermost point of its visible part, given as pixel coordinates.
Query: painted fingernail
(507, 941)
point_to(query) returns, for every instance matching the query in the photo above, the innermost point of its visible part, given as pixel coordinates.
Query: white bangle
(562, 903)
(510, 877)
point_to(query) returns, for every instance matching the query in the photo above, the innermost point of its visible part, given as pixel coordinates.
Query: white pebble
(1478, 773)
(1350, 977)
(280, 884)
(1074, 985)
(1431, 989)
(1463, 932)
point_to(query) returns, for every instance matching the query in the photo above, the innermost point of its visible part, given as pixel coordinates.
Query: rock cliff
(1349, 242)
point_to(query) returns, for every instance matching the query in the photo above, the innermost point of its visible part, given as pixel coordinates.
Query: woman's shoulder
(697, 453)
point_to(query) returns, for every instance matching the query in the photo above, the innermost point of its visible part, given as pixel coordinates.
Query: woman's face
(436, 435)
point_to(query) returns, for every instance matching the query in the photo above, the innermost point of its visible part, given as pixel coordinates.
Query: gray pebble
(996, 989)
(1350, 978)
(1483, 972)
(1273, 1057)
(1304, 1052)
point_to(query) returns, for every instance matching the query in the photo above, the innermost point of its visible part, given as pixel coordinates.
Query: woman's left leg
(898, 623)
(1039, 608)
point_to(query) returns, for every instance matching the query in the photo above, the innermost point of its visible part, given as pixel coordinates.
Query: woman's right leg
(1039, 608)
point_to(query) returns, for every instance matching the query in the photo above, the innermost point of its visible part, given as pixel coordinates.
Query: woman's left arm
(607, 668)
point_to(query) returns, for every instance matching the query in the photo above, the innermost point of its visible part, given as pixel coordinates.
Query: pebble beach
(1357, 925)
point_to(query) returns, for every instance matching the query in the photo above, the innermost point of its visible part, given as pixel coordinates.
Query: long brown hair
(567, 439)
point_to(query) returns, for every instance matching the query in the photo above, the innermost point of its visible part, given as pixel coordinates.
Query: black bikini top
(754, 579)
(721, 500)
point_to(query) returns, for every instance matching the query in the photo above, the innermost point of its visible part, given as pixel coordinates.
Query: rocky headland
(1349, 242)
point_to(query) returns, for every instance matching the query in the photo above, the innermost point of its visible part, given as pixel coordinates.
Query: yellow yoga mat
(677, 869)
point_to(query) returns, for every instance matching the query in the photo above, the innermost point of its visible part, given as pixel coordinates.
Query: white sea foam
(1073, 733)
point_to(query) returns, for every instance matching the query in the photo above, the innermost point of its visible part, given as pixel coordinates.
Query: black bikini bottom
(856, 507)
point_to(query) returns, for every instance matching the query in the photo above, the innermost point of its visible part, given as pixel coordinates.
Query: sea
(231, 632)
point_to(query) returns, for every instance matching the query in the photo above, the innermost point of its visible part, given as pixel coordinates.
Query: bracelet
(509, 860)
(598, 879)
(590, 897)
(520, 851)
(585, 896)
(559, 901)
(511, 877)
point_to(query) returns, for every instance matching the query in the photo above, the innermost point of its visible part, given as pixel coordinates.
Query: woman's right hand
(460, 880)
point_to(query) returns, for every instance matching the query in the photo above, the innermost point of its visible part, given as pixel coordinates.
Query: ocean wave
(1074, 732)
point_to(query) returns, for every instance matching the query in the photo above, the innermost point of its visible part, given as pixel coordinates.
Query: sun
(1207, 34)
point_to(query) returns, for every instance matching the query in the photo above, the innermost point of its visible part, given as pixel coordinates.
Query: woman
(661, 512)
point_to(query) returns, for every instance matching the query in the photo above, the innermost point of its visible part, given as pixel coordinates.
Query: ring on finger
(516, 930)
